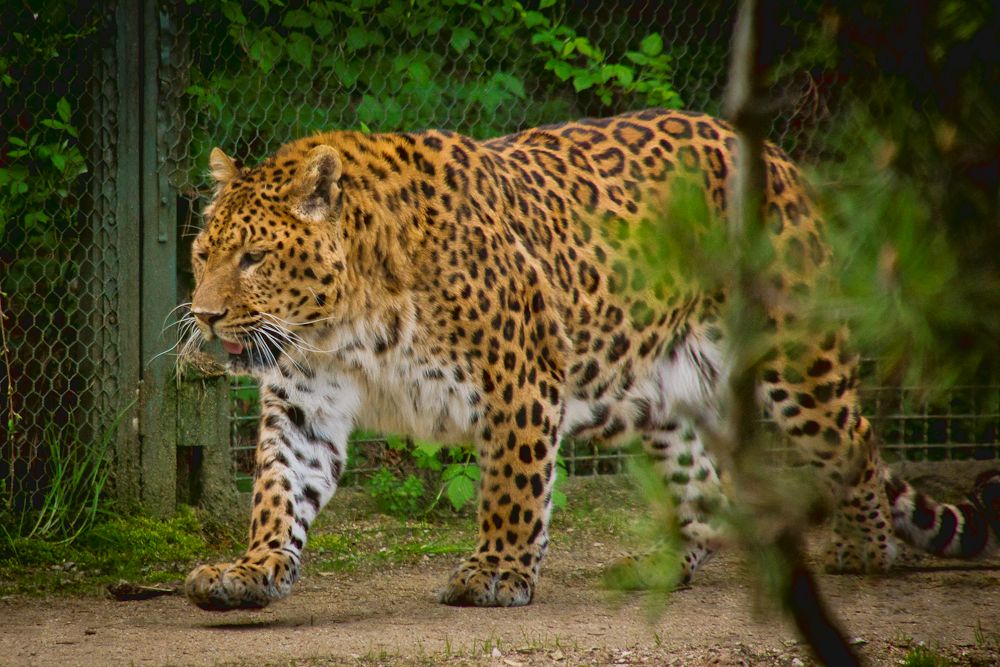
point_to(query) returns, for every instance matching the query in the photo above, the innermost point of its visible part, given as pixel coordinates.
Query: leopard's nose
(208, 317)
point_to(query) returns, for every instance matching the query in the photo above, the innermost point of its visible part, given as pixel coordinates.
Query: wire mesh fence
(63, 371)
(251, 75)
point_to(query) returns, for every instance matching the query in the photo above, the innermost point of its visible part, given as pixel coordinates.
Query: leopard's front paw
(250, 583)
(480, 585)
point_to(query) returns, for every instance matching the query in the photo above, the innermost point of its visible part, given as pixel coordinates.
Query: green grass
(921, 656)
(394, 541)
(134, 548)
(351, 535)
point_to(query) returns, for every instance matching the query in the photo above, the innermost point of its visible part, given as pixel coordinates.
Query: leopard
(505, 293)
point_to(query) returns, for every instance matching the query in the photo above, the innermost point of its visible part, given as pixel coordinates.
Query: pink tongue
(232, 348)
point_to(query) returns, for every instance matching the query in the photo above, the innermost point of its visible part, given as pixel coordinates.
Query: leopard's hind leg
(811, 392)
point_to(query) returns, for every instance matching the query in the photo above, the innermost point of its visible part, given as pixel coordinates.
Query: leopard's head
(269, 261)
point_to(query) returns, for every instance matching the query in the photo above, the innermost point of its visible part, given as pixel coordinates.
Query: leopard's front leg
(517, 456)
(299, 459)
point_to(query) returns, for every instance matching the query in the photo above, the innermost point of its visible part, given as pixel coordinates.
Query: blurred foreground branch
(770, 533)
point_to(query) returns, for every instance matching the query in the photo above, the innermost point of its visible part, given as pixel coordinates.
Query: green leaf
(546, 37)
(395, 442)
(460, 491)
(532, 19)
(461, 38)
(265, 49)
(652, 44)
(300, 50)
(583, 81)
(369, 110)
(584, 46)
(59, 160)
(297, 18)
(393, 114)
(638, 58)
(16, 141)
(427, 448)
(62, 108)
(348, 71)
(510, 82)
(560, 68)
(419, 72)
(545, 4)
(434, 25)
(323, 27)
(359, 38)
(233, 13)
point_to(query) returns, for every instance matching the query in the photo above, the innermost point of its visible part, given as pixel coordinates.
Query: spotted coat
(510, 293)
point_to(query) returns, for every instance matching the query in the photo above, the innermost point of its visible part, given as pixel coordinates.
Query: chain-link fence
(64, 257)
(88, 286)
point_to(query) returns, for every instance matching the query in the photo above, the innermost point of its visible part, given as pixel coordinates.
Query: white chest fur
(399, 394)
(388, 389)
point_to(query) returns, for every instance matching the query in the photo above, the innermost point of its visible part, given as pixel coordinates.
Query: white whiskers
(189, 336)
(265, 338)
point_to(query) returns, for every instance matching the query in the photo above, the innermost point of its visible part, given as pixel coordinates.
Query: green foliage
(453, 471)
(76, 474)
(119, 547)
(43, 163)
(40, 158)
(921, 656)
(484, 68)
(899, 280)
(458, 470)
(374, 543)
(40, 168)
(913, 213)
(644, 74)
(142, 540)
(395, 496)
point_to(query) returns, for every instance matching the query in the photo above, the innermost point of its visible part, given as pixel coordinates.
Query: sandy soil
(390, 617)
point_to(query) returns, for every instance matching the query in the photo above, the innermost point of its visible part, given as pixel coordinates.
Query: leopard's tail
(962, 530)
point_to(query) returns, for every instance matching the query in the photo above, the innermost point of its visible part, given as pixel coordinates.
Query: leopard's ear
(222, 167)
(314, 195)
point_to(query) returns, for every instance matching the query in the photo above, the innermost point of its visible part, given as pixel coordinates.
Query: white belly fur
(673, 388)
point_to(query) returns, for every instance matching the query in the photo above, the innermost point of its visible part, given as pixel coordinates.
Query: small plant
(71, 503)
(457, 467)
(921, 656)
(453, 469)
(985, 639)
(397, 496)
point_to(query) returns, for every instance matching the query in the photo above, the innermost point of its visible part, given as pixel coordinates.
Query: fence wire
(250, 75)
(61, 294)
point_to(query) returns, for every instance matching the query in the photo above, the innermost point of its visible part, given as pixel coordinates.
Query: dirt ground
(389, 616)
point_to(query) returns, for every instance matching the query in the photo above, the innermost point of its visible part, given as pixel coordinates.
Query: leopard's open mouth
(233, 348)
(245, 356)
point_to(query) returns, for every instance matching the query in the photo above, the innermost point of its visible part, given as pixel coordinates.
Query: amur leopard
(499, 292)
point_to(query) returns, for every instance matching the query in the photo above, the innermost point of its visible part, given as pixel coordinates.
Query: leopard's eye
(202, 255)
(251, 257)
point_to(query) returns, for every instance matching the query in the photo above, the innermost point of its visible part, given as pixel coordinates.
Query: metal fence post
(186, 453)
(127, 212)
(158, 433)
